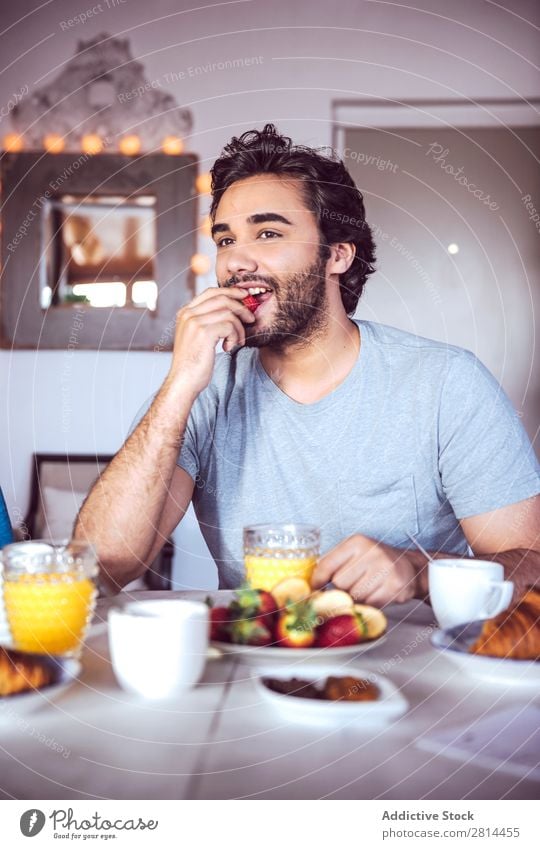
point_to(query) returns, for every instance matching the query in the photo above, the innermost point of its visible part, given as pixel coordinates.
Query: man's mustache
(262, 279)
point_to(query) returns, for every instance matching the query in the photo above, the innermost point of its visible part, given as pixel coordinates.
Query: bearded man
(311, 416)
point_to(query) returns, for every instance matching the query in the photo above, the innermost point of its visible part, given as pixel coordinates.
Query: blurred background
(434, 109)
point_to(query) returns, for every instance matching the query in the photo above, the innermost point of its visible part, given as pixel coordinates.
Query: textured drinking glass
(275, 552)
(49, 594)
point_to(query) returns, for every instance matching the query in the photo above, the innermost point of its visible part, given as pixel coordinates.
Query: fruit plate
(455, 642)
(67, 671)
(255, 655)
(390, 705)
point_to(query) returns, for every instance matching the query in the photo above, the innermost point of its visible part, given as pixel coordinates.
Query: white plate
(454, 642)
(24, 703)
(390, 705)
(272, 654)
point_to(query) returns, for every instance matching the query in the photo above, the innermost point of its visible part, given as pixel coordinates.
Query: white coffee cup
(462, 590)
(158, 648)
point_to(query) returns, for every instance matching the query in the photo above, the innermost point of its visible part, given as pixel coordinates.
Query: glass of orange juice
(274, 552)
(49, 594)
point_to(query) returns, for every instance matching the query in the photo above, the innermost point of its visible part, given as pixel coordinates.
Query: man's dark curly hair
(328, 191)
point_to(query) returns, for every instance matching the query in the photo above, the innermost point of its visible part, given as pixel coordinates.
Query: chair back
(60, 483)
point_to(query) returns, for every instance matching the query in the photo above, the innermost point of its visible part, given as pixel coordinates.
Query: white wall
(311, 54)
(486, 297)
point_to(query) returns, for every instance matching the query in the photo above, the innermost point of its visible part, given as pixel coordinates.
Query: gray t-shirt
(417, 436)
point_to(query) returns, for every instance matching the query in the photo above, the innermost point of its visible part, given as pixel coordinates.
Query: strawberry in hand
(251, 302)
(295, 628)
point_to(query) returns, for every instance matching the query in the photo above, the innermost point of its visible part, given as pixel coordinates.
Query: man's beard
(302, 307)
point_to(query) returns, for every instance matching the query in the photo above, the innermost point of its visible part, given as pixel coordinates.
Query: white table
(220, 741)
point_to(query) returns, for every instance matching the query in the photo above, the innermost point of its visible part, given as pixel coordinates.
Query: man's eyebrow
(262, 217)
(220, 228)
(257, 218)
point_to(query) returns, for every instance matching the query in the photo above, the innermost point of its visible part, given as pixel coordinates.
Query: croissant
(514, 633)
(20, 672)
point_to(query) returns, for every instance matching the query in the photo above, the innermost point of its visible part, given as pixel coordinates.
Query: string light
(53, 143)
(13, 143)
(206, 226)
(173, 145)
(200, 264)
(129, 145)
(203, 184)
(91, 144)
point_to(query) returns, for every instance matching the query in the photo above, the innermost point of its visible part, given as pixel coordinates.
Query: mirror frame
(28, 181)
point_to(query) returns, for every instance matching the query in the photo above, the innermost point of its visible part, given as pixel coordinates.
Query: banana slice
(329, 603)
(290, 589)
(376, 621)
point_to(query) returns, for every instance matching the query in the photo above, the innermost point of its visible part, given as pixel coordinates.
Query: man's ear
(341, 257)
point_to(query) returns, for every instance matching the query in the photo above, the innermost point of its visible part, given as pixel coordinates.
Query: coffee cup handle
(501, 596)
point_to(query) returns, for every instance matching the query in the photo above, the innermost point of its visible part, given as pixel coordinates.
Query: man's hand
(369, 571)
(216, 314)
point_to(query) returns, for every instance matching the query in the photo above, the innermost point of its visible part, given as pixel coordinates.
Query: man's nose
(240, 259)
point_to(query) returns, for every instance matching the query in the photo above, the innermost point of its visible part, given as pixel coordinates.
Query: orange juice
(273, 552)
(48, 612)
(264, 573)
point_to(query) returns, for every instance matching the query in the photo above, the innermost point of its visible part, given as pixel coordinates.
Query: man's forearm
(122, 512)
(521, 565)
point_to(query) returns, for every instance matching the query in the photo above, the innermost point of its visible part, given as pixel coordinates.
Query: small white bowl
(390, 705)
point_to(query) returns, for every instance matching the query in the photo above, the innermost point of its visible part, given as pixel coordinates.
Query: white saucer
(455, 642)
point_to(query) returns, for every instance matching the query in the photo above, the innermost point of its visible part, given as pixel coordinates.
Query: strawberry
(219, 623)
(343, 630)
(251, 302)
(267, 603)
(251, 632)
(252, 602)
(295, 628)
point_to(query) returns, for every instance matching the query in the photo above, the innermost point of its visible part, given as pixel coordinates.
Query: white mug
(462, 590)
(158, 648)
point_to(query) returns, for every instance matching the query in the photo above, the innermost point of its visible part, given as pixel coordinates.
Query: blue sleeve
(486, 460)
(6, 531)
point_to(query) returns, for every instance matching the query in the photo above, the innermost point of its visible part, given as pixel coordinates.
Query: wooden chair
(60, 482)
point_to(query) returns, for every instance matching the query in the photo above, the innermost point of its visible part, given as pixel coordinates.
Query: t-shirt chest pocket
(385, 511)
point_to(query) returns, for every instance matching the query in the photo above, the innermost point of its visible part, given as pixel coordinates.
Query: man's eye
(221, 242)
(270, 233)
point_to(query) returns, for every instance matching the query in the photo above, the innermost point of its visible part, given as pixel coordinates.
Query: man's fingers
(377, 599)
(356, 546)
(226, 326)
(347, 575)
(233, 292)
(330, 562)
(369, 585)
(378, 571)
(222, 302)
